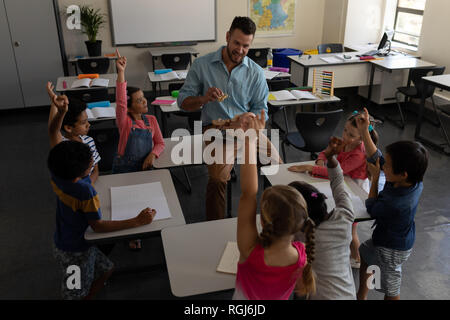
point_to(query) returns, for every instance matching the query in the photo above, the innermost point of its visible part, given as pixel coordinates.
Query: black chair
(106, 141)
(88, 95)
(330, 48)
(176, 61)
(93, 65)
(314, 130)
(277, 85)
(420, 90)
(259, 56)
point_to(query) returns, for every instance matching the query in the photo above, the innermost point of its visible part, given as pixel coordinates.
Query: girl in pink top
(140, 140)
(271, 264)
(352, 159)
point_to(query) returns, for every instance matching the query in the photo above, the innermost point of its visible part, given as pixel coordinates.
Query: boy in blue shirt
(78, 207)
(404, 165)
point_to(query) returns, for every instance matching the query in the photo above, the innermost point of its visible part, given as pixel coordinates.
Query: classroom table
(443, 82)
(157, 79)
(275, 175)
(103, 185)
(112, 77)
(112, 105)
(292, 103)
(193, 252)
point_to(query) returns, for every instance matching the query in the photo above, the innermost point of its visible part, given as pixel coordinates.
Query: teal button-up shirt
(246, 87)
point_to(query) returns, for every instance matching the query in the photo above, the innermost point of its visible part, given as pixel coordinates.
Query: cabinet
(30, 54)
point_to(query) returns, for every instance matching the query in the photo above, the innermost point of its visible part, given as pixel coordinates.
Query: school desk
(112, 77)
(193, 252)
(443, 82)
(283, 176)
(157, 79)
(302, 102)
(103, 185)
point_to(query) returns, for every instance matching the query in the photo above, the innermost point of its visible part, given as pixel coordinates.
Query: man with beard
(226, 84)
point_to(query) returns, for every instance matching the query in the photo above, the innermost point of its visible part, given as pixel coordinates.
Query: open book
(88, 83)
(284, 95)
(101, 112)
(230, 258)
(173, 75)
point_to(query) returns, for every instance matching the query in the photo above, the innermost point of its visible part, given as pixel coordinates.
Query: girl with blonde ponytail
(271, 263)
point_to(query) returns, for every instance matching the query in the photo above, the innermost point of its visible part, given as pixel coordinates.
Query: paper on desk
(128, 201)
(230, 258)
(331, 59)
(270, 74)
(359, 208)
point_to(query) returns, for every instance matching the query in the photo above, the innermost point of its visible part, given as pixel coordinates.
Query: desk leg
(369, 94)
(229, 197)
(305, 76)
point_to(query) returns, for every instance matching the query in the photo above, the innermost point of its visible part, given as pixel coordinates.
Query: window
(408, 21)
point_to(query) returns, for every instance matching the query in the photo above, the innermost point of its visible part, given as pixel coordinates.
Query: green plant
(91, 21)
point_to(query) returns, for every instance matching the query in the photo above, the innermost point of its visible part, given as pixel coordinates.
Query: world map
(273, 17)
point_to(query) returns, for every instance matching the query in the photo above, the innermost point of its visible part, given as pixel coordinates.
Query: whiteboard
(160, 21)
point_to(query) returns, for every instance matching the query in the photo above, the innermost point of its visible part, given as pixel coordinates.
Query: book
(101, 112)
(89, 83)
(173, 75)
(230, 259)
(331, 59)
(284, 95)
(163, 102)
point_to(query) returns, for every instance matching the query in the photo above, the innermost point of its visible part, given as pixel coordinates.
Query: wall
(335, 14)
(307, 34)
(434, 45)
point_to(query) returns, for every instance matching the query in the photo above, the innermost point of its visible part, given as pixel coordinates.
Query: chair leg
(286, 120)
(402, 118)
(283, 151)
(229, 197)
(440, 123)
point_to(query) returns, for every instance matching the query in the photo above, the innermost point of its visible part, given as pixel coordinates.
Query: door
(34, 35)
(10, 91)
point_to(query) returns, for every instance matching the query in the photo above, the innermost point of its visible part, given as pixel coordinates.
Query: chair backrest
(259, 55)
(175, 86)
(424, 89)
(106, 141)
(93, 65)
(89, 95)
(176, 61)
(330, 48)
(316, 128)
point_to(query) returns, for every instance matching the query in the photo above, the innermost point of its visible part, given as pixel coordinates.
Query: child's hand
(146, 216)
(121, 62)
(335, 146)
(61, 103)
(251, 121)
(374, 169)
(363, 121)
(301, 168)
(320, 163)
(148, 162)
(50, 91)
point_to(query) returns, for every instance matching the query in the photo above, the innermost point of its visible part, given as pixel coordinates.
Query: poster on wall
(272, 17)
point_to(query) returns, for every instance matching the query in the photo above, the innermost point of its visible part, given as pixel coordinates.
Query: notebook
(163, 102)
(284, 95)
(230, 258)
(173, 75)
(101, 112)
(88, 83)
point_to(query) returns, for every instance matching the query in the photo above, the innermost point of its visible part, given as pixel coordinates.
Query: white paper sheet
(128, 201)
(230, 258)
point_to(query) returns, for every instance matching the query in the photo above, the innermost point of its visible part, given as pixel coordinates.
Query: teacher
(227, 72)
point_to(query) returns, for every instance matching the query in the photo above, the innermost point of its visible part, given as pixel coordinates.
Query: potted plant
(91, 21)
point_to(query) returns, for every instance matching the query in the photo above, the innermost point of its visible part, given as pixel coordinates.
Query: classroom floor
(27, 210)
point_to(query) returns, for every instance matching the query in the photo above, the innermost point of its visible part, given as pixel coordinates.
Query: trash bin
(280, 56)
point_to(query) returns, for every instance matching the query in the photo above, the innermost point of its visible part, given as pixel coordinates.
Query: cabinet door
(10, 92)
(36, 47)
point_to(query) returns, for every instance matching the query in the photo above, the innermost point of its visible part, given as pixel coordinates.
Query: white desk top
(399, 64)
(112, 105)
(193, 252)
(103, 185)
(284, 177)
(157, 52)
(441, 81)
(69, 80)
(166, 159)
(303, 101)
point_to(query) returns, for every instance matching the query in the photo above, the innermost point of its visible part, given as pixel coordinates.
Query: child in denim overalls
(141, 141)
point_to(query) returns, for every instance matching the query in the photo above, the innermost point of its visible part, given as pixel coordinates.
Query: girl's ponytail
(308, 277)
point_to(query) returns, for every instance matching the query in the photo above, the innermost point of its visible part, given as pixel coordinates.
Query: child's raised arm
(121, 65)
(58, 109)
(363, 123)
(247, 232)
